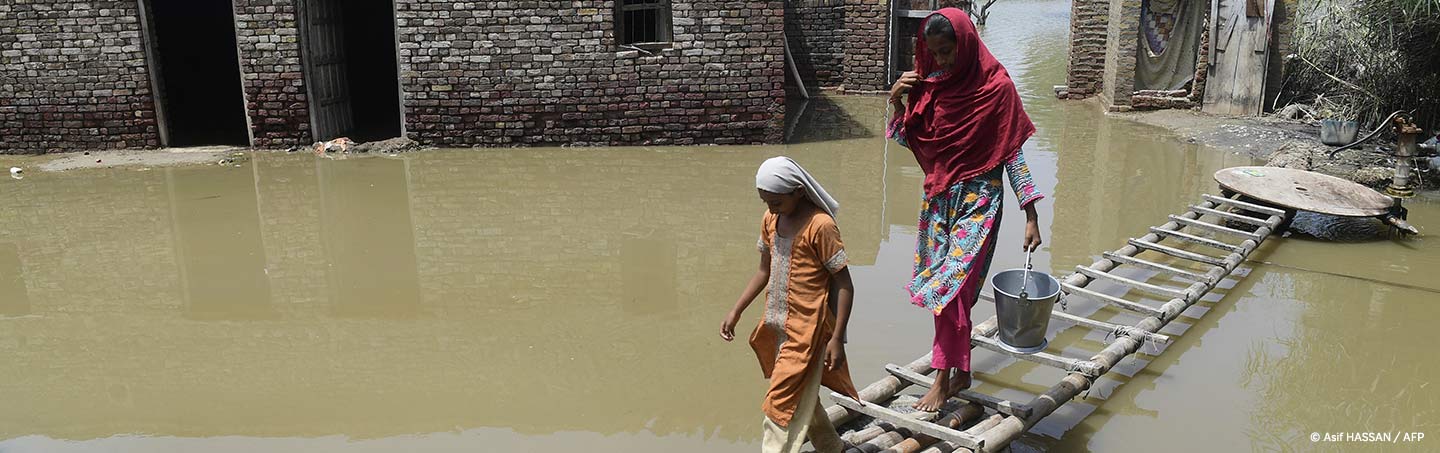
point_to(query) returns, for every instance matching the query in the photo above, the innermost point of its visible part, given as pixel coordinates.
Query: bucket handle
(1025, 279)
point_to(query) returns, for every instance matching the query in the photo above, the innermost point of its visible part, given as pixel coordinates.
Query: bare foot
(961, 382)
(939, 392)
(936, 397)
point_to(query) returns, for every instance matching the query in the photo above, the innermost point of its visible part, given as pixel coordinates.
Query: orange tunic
(798, 319)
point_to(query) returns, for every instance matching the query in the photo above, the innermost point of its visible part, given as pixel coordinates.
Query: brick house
(104, 74)
(1108, 51)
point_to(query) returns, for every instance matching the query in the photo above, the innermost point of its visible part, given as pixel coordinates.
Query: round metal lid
(1305, 190)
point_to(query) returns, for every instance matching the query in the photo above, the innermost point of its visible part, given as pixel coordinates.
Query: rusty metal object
(1405, 152)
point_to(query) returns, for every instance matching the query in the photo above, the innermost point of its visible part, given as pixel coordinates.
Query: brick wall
(1122, 37)
(1089, 27)
(1282, 43)
(815, 29)
(73, 77)
(480, 74)
(865, 42)
(484, 73)
(271, 72)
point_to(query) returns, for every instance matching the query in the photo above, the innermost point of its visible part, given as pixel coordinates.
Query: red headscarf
(967, 121)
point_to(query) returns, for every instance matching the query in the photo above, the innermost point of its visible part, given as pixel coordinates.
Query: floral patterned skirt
(954, 226)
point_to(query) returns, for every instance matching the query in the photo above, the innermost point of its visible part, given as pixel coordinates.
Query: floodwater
(561, 299)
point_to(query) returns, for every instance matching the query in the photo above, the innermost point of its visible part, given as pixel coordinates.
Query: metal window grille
(642, 21)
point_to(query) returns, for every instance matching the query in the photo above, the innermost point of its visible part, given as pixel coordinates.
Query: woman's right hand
(902, 86)
(727, 327)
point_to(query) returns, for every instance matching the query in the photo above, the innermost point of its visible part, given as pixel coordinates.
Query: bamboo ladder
(941, 432)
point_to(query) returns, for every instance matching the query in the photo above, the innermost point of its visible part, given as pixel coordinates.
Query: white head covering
(782, 175)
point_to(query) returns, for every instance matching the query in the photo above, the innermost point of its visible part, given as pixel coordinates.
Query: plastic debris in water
(15, 172)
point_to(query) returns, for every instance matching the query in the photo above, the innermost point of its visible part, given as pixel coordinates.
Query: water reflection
(648, 264)
(217, 243)
(14, 297)
(368, 237)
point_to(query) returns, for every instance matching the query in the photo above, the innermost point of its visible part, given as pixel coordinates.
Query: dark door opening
(198, 69)
(350, 64)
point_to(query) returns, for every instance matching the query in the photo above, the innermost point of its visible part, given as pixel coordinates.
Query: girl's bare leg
(938, 393)
(946, 384)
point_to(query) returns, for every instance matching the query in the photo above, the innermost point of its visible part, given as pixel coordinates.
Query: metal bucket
(1338, 132)
(1023, 322)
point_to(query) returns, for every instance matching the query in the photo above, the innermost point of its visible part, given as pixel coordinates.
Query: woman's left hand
(834, 354)
(1032, 235)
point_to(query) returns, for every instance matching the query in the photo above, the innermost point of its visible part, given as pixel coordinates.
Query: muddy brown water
(563, 299)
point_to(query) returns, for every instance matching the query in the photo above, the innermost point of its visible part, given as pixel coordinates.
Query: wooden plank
(1155, 289)
(794, 68)
(1042, 357)
(1112, 300)
(1229, 32)
(1236, 80)
(1137, 262)
(1305, 190)
(1195, 239)
(1006, 407)
(1254, 8)
(902, 421)
(1213, 227)
(1228, 216)
(1245, 205)
(913, 13)
(1214, 33)
(1192, 256)
(1108, 327)
(883, 389)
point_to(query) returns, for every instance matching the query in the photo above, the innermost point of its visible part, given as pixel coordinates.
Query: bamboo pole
(1137, 262)
(878, 391)
(1213, 227)
(946, 447)
(1041, 357)
(966, 414)
(1149, 288)
(909, 421)
(1229, 216)
(888, 386)
(1094, 324)
(1192, 256)
(886, 440)
(1003, 406)
(864, 435)
(1010, 428)
(1196, 239)
(1136, 307)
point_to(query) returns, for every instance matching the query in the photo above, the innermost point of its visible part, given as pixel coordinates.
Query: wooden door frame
(302, 21)
(399, 82)
(240, 68)
(152, 68)
(302, 25)
(157, 82)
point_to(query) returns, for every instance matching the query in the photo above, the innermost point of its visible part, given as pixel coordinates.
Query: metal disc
(1305, 190)
(1019, 350)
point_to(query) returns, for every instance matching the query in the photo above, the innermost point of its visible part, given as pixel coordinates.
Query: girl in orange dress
(800, 342)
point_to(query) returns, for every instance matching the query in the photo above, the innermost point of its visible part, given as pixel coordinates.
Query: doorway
(350, 68)
(196, 67)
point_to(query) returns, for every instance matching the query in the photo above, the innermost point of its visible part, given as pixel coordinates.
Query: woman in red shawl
(964, 122)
